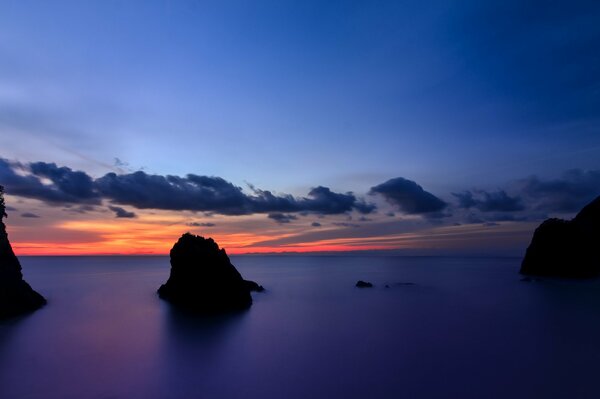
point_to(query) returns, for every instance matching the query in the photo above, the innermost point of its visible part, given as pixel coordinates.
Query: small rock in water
(363, 284)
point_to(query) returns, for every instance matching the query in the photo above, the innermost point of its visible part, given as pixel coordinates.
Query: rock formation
(566, 248)
(16, 296)
(363, 284)
(203, 279)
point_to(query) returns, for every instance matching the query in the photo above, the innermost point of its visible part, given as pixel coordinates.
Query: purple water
(467, 328)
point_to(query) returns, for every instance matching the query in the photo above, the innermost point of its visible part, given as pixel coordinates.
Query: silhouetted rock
(566, 248)
(203, 279)
(363, 284)
(16, 296)
(252, 286)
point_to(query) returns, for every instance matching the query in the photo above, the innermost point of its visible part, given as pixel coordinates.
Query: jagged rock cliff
(16, 296)
(566, 248)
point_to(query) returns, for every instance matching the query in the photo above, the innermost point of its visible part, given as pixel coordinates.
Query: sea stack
(566, 248)
(16, 296)
(203, 279)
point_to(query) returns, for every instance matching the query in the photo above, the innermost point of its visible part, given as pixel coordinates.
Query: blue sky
(289, 96)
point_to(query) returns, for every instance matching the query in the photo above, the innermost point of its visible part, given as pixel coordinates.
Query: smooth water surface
(465, 328)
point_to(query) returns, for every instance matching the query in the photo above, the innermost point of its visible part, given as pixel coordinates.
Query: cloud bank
(531, 198)
(61, 185)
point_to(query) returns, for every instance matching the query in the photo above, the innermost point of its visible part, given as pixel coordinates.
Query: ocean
(443, 328)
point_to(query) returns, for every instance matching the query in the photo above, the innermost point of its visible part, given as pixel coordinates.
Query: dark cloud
(61, 185)
(316, 224)
(29, 215)
(198, 193)
(214, 194)
(364, 208)
(531, 199)
(319, 200)
(569, 193)
(282, 217)
(198, 224)
(62, 188)
(122, 213)
(75, 184)
(409, 197)
(498, 201)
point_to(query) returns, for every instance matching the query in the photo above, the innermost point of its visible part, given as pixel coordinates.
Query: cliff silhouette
(16, 296)
(566, 248)
(203, 279)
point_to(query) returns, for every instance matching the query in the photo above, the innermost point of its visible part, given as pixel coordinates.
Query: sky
(420, 127)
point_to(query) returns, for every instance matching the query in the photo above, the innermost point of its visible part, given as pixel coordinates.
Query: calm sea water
(467, 328)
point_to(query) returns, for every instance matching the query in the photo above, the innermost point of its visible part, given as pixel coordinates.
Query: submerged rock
(16, 296)
(363, 284)
(566, 248)
(203, 279)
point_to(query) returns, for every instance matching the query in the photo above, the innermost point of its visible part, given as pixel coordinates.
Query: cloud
(485, 201)
(315, 224)
(75, 184)
(197, 193)
(319, 200)
(409, 197)
(569, 193)
(198, 224)
(531, 199)
(214, 194)
(122, 213)
(282, 217)
(29, 215)
(61, 185)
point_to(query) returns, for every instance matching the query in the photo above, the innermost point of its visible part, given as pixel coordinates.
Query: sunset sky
(421, 127)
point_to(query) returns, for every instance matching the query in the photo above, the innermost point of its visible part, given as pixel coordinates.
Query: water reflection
(195, 349)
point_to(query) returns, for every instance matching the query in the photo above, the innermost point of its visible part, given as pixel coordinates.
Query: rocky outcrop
(363, 284)
(203, 279)
(253, 286)
(16, 296)
(566, 248)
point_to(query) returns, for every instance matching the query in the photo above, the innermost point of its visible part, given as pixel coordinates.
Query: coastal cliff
(566, 248)
(16, 296)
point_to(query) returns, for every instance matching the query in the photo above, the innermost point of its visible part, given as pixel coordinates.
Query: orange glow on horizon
(133, 237)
